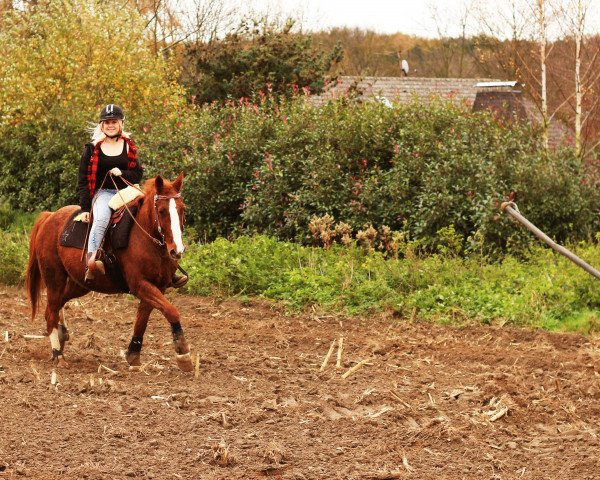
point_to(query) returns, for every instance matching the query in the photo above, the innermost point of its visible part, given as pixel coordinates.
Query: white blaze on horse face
(54, 341)
(175, 227)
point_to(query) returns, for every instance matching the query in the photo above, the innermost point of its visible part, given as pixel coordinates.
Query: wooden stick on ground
(354, 368)
(6, 337)
(338, 364)
(324, 364)
(197, 371)
(34, 337)
(510, 208)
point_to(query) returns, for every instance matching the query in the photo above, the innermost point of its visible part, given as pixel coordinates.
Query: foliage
(542, 290)
(14, 252)
(271, 167)
(62, 60)
(256, 58)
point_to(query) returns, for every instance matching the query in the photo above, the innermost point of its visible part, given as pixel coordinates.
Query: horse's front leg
(139, 328)
(153, 297)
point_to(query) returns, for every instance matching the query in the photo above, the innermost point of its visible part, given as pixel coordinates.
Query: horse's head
(168, 210)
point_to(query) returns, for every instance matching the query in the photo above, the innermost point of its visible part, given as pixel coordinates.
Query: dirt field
(430, 402)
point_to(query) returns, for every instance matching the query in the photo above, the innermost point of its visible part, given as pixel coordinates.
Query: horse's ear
(178, 182)
(158, 183)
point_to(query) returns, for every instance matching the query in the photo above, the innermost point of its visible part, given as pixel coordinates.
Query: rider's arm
(134, 175)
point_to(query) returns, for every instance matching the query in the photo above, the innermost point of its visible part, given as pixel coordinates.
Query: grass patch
(543, 290)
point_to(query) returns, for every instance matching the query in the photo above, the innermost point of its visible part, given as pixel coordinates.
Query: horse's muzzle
(175, 255)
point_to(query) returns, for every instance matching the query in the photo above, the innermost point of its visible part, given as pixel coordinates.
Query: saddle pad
(75, 232)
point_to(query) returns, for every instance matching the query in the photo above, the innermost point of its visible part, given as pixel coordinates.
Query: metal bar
(510, 209)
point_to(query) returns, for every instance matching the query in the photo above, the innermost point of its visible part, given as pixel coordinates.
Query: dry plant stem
(406, 465)
(395, 396)
(338, 364)
(35, 372)
(354, 368)
(6, 335)
(34, 337)
(498, 415)
(328, 356)
(197, 371)
(109, 370)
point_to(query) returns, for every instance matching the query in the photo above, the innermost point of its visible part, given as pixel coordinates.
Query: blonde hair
(98, 134)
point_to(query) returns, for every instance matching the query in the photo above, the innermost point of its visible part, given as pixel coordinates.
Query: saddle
(75, 234)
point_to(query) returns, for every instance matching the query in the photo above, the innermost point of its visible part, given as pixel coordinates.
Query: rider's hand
(116, 172)
(85, 217)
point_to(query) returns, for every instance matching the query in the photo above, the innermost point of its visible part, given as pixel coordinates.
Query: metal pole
(510, 208)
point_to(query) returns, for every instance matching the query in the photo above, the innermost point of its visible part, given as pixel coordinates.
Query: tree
(256, 57)
(584, 52)
(62, 60)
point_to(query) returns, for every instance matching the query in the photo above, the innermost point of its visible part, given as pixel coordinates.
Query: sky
(426, 18)
(415, 17)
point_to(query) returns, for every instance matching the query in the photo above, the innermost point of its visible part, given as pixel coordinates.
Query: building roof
(402, 89)
(499, 97)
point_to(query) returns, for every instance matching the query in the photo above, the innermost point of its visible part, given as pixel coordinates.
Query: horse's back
(52, 224)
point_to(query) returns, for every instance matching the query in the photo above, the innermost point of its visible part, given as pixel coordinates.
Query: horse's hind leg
(52, 324)
(135, 346)
(57, 330)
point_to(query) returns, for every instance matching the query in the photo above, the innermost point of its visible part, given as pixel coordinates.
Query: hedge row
(271, 167)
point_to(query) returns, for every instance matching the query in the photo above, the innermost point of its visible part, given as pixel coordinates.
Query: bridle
(156, 199)
(160, 242)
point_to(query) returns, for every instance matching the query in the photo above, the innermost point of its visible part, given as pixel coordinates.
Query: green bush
(271, 167)
(14, 252)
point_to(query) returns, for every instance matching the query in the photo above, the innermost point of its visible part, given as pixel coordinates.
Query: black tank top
(107, 163)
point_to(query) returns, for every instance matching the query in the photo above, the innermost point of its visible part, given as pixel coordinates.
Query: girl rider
(111, 151)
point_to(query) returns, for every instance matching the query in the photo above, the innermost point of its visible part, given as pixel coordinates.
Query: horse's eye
(162, 211)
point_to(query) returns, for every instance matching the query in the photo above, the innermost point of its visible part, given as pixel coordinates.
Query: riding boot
(179, 281)
(93, 266)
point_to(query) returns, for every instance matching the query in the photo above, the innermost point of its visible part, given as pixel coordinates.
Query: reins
(157, 197)
(160, 243)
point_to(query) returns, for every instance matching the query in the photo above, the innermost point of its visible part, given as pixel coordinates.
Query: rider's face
(111, 127)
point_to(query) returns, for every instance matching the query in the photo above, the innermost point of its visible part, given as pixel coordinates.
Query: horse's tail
(33, 276)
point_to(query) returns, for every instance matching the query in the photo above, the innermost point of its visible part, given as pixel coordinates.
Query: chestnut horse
(148, 265)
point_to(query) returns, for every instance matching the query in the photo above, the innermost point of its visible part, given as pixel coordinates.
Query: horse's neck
(147, 216)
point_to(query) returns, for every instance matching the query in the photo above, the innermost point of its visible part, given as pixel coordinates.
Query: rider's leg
(101, 214)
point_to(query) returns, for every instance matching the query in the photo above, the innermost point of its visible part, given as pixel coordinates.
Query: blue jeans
(101, 213)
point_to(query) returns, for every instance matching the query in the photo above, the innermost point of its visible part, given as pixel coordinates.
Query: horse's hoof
(60, 362)
(184, 362)
(133, 359)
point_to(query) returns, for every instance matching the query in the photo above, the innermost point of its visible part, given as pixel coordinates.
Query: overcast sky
(427, 18)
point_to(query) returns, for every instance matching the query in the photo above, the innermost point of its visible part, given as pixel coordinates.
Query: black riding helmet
(112, 112)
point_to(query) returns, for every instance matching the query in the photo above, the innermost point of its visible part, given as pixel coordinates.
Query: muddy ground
(428, 401)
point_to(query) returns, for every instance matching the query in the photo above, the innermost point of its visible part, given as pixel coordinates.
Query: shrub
(56, 74)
